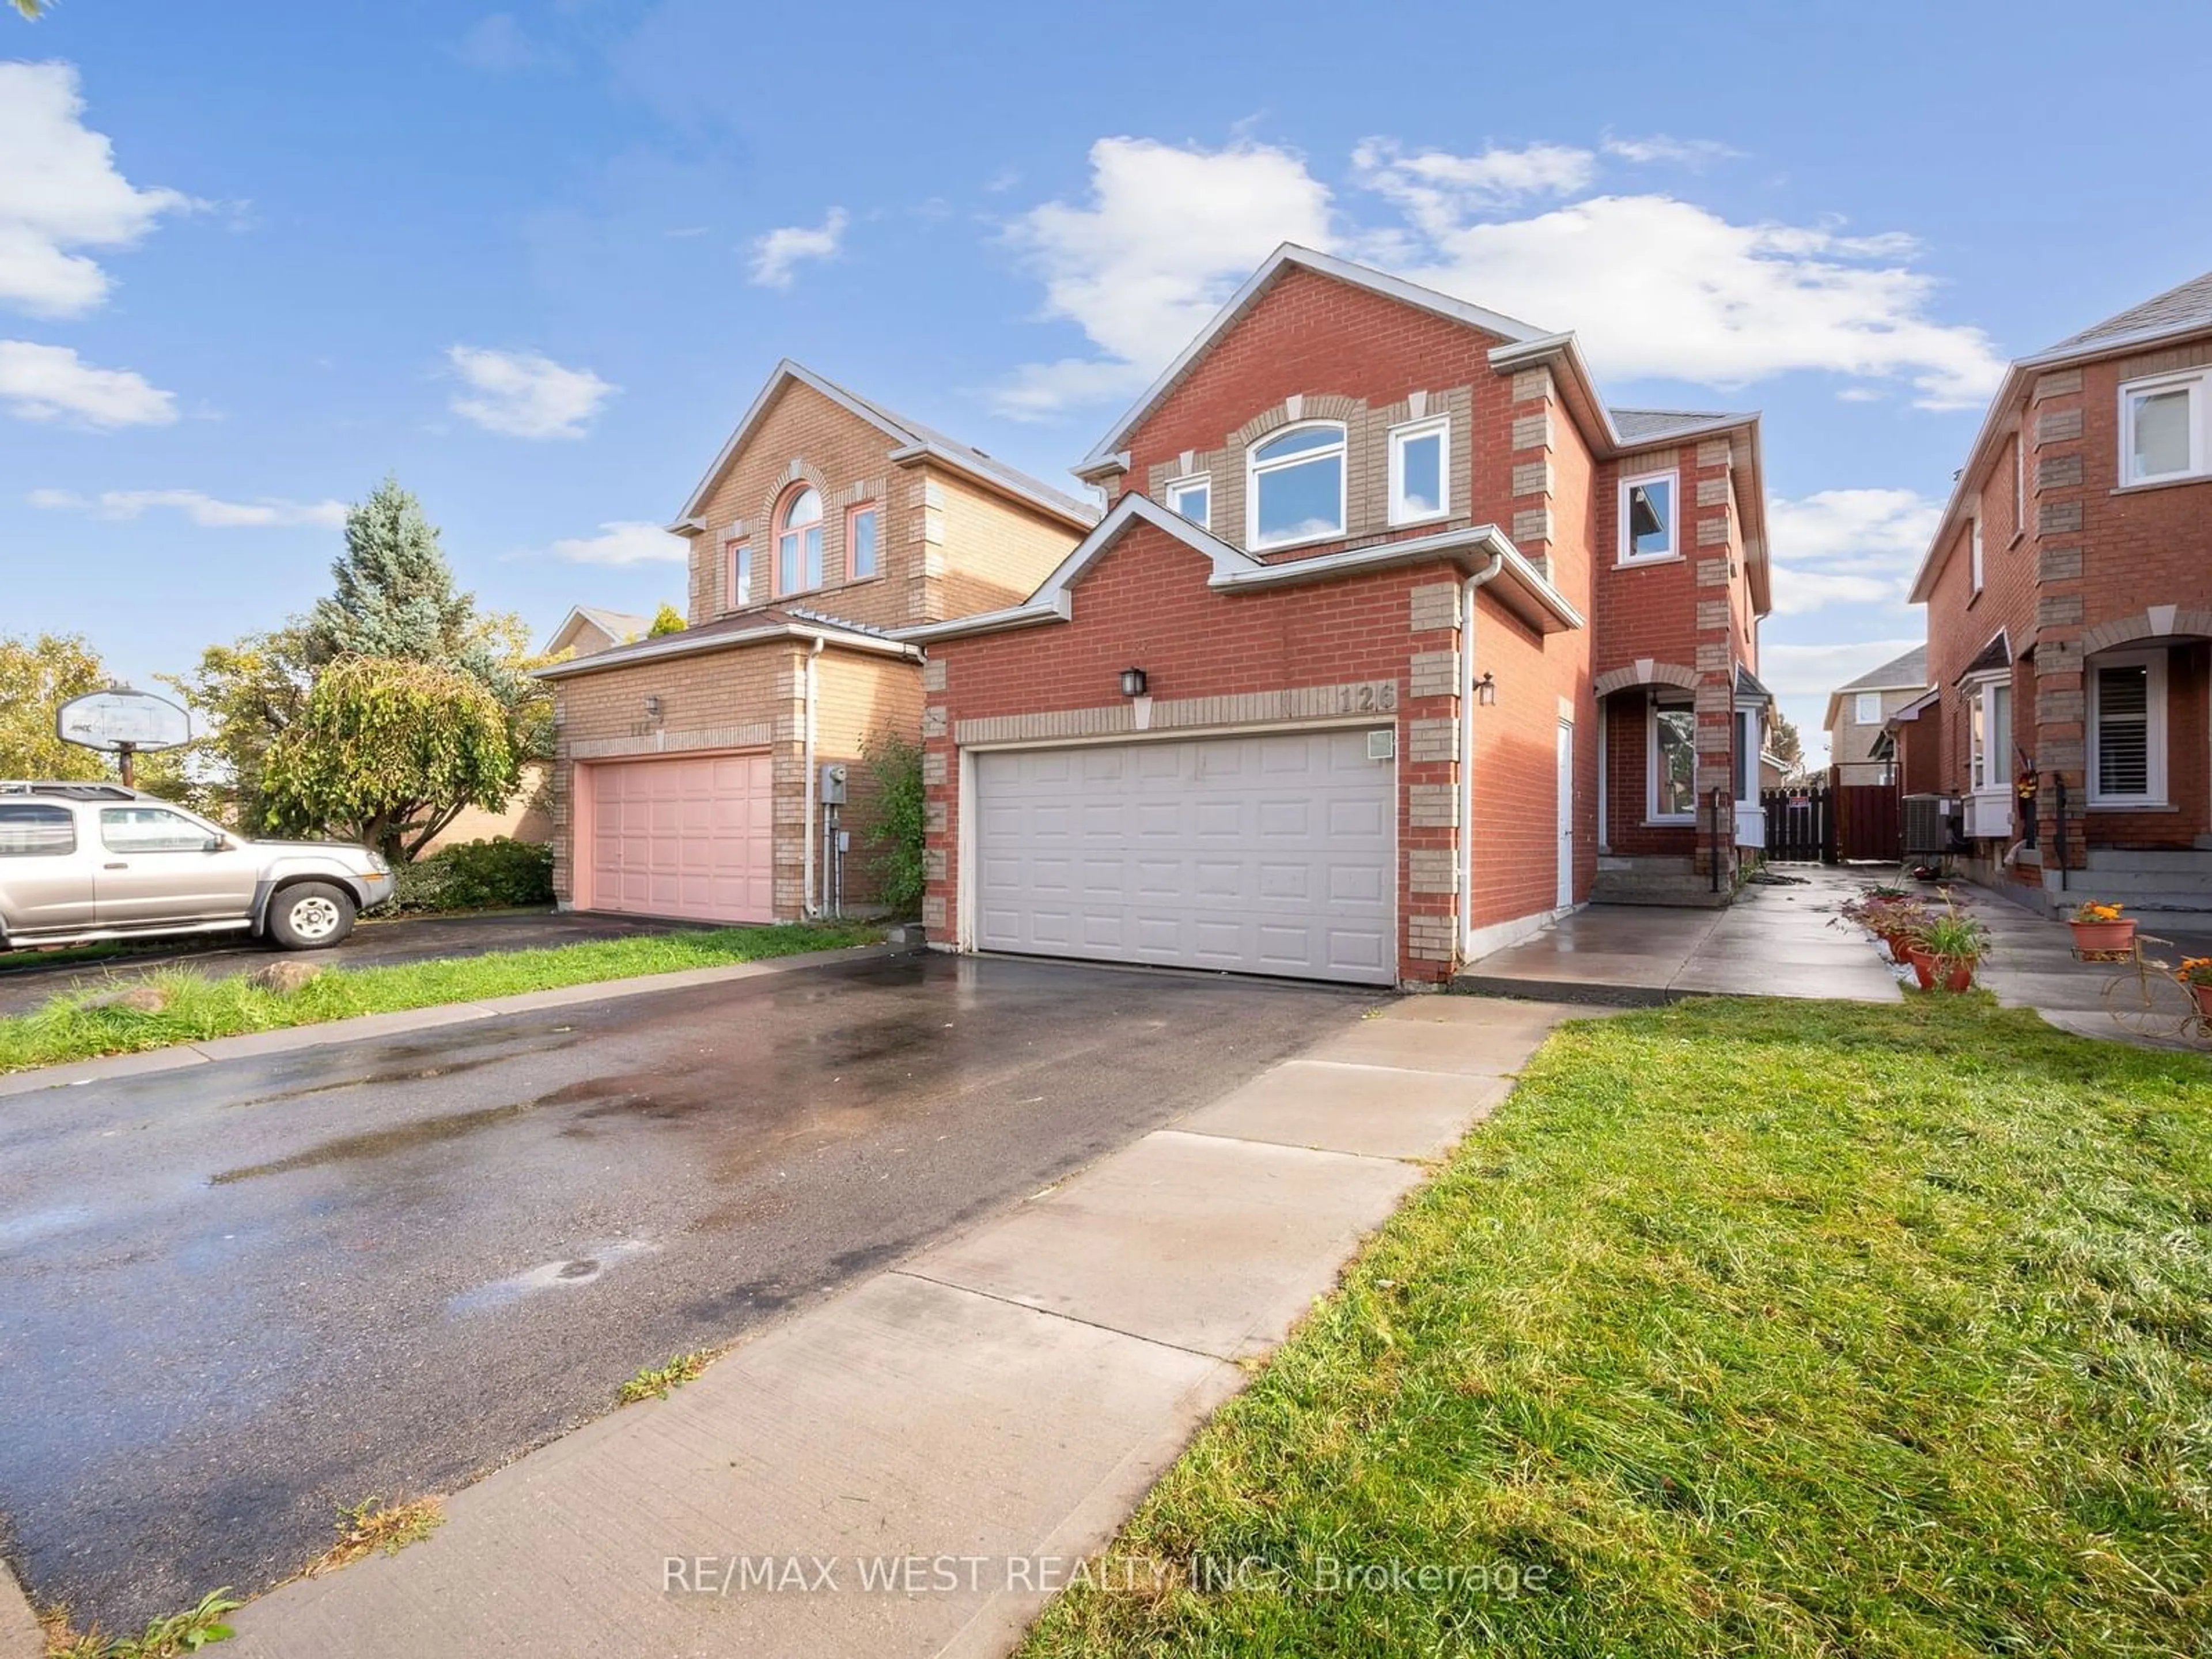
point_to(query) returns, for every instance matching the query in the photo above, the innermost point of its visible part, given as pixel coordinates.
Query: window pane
(31, 831)
(806, 508)
(2000, 756)
(864, 544)
(787, 564)
(1195, 502)
(1676, 731)
(1745, 756)
(1421, 475)
(1651, 517)
(2123, 731)
(813, 534)
(149, 829)
(1301, 501)
(1296, 443)
(1978, 745)
(2162, 434)
(741, 577)
(1868, 712)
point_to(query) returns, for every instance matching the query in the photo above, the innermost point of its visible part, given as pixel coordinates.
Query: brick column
(940, 787)
(1434, 864)
(1708, 513)
(2056, 735)
(1535, 415)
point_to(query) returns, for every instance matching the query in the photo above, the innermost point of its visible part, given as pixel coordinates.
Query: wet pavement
(237, 1296)
(25, 982)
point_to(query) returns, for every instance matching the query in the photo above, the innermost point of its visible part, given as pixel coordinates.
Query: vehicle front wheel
(311, 917)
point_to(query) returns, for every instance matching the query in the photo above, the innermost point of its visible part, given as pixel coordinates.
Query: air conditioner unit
(1989, 816)
(1925, 828)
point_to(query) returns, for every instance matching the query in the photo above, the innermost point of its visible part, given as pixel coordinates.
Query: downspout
(807, 869)
(1467, 751)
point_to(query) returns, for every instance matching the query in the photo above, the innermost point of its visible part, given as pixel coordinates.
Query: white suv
(84, 861)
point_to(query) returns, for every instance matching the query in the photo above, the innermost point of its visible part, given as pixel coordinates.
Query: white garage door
(1262, 855)
(686, 838)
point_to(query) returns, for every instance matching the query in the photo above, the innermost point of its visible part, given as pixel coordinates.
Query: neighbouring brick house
(2069, 617)
(1862, 744)
(688, 768)
(1392, 635)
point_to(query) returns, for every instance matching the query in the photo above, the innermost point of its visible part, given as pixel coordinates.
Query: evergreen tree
(395, 594)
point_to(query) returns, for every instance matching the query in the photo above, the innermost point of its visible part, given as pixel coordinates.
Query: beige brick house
(1860, 747)
(688, 769)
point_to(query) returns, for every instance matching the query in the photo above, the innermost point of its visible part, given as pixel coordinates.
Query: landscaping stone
(284, 977)
(136, 999)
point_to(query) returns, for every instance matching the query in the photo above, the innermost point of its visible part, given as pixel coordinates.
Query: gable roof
(1481, 549)
(1994, 658)
(1645, 426)
(1291, 255)
(1907, 672)
(750, 627)
(617, 625)
(2179, 311)
(911, 440)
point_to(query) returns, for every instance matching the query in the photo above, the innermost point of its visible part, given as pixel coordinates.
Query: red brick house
(2069, 618)
(1393, 643)
(688, 778)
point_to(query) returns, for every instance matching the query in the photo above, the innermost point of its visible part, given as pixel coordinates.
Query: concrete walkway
(2031, 964)
(1773, 941)
(982, 1416)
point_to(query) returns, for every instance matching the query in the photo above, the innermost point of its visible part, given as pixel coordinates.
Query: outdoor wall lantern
(653, 708)
(1132, 681)
(1485, 688)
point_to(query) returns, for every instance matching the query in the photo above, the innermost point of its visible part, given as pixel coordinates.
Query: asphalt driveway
(234, 1297)
(26, 983)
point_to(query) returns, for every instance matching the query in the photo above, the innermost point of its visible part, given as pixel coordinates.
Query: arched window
(1294, 486)
(799, 543)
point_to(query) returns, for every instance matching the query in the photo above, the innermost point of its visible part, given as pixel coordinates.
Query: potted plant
(2195, 976)
(2101, 930)
(1946, 950)
(1889, 915)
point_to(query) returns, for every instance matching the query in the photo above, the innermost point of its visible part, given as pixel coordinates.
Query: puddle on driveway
(377, 1143)
(585, 1269)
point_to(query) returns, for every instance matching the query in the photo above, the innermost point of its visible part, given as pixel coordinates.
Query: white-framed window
(1671, 762)
(1974, 551)
(2163, 428)
(1420, 470)
(799, 542)
(2127, 730)
(1749, 740)
(1647, 515)
(1988, 735)
(741, 574)
(862, 559)
(1193, 498)
(1294, 486)
(1867, 709)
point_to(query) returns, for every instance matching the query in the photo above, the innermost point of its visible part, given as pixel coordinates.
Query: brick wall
(994, 554)
(859, 697)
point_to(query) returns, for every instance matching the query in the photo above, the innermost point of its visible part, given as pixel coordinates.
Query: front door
(157, 866)
(1566, 841)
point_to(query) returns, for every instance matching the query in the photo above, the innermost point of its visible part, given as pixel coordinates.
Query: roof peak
(2184, 306)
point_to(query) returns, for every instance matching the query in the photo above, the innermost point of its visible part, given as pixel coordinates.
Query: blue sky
(253, 256)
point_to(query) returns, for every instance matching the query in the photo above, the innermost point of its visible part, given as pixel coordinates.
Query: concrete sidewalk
(1773, 941)
(2031, 964)
(992, 1408)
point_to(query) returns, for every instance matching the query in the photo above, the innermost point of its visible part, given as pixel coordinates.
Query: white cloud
(52, 383)
(1847, 547)
(525, 394)
(1166, 237)
(499, 44)
(623, 541)
(59, 190)
(1655, 286)
(777, 253)
(1814, 670)
(1437, 191)
(1692, 153)
(202, 509)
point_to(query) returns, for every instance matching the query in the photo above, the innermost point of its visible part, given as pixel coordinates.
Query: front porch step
(2124, 885)
(1671, 881)
(2182, 858)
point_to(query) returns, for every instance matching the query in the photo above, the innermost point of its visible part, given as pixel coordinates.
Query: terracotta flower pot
(1951, 973)
(2104, 935)
(2203, 995)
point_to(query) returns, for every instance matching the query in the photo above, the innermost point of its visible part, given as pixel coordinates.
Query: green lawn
(1745, 1328)
(200, 1008)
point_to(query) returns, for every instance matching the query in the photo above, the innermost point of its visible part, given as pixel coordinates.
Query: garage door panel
(688, 838)
(1268, 854)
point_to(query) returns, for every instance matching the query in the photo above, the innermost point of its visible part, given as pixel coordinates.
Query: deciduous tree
(38, 675)
(389, 752)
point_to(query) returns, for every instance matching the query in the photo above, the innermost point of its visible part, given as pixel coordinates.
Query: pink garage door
(683, 838)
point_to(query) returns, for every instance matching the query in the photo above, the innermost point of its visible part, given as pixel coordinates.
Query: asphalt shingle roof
(1911, 669)
(2189, 306)
(1638, 426)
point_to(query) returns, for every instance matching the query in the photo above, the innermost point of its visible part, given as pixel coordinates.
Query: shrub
(478, 875)
(896, 841)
